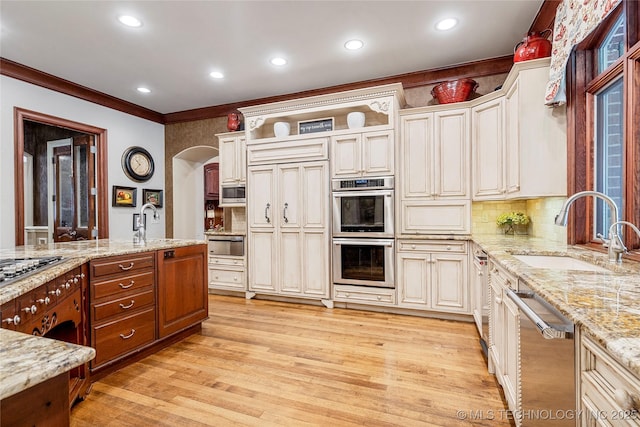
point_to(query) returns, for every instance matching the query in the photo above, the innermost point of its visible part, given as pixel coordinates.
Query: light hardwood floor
(262, 363)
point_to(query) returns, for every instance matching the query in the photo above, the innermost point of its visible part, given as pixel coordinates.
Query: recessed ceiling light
(216, 75)
(353, 44)
(278, 61)
(144, 90)
(447, 24)
(130, 21)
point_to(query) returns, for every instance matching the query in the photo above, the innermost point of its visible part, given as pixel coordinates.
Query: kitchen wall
(123, 130)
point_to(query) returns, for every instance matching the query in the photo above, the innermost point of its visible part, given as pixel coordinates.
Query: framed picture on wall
(152, 196)
(124, 196)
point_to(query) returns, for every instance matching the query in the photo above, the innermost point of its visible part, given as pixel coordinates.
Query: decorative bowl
(454, 90)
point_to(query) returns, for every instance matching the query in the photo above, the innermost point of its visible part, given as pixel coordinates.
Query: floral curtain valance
(575, 20)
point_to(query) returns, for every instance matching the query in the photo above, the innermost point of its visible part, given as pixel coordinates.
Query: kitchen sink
(558, 262)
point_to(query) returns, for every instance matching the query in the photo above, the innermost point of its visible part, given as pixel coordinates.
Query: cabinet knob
(56, 292)
(15, 320)
(379, 297)
(413, 246)
(626, 401)
(448, 247)
(31, 310)
(347, 295)
(45, 300)
(235, 278)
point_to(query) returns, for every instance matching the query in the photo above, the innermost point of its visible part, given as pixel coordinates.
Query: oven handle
(368, 242)
(546, 330)
(358, 193)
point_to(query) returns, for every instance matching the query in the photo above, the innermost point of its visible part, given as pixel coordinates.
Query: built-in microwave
(364, 262)
(232, 195)
(226, 245)
(363, 208)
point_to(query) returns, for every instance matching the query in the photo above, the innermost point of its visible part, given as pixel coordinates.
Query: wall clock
(137, 163)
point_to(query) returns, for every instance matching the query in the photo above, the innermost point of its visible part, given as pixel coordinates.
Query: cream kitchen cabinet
(362, 154)
(233, 158)
(288, 219)
(488, 141)
(227, 273)
(609, 395)
(432, 275)
(504, 341)
(434, 183)
(519, 144)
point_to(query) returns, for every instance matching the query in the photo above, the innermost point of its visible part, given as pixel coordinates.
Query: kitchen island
(162, 282)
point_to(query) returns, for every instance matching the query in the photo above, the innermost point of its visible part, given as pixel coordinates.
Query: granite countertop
(27, 360)
(75, 254)
(606, 305)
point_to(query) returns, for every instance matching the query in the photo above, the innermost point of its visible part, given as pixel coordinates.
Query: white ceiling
(181, 42)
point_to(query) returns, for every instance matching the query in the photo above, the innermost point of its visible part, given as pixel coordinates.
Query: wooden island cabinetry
(138, 300)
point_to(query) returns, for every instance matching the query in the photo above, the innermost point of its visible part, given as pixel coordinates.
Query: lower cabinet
(182, 288)
(136, 300)
(504, 333)
(432, 274)
(227, 273)
(609, 394)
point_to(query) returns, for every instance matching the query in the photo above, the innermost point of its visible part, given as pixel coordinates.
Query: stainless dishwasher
(546, 362)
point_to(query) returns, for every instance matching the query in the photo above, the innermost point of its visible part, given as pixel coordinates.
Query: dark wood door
(211, 181)
(182, 288)
(74, 200)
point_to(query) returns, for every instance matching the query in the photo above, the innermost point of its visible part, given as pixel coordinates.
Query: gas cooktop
(12, 269)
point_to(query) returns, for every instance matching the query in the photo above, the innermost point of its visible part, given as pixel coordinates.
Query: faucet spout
(614, 243)
(618, 246)
(141, 234)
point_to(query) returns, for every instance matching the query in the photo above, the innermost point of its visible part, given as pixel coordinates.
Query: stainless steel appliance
(12, 269)
(363, 207)
(232, 195)
(547, 361)
(480, 286)
(226, 245)
(365, 262)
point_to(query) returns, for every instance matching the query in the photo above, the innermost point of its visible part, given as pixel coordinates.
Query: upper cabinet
(211, 185)
(233, 158)
(364, 154)
(519, 143)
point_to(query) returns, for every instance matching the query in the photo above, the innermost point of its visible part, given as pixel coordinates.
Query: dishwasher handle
(545, 329)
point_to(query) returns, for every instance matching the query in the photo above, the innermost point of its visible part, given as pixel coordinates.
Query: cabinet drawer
(231, 262)
(125, 264)
(132, 282)
(125, 304)
(458, 246)
(364, 295)
(114, 339)
(227, 278)
(500, 276)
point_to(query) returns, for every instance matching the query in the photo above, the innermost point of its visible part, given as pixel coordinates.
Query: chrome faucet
(613, 243)
(619, 248)
(140, 236)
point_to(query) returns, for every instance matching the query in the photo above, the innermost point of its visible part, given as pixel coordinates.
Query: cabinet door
(450, 290)
(262, 211)
(512, 146)
(511, 357)
(378, 153)
(211, 184)
(488, 150)
(241, 159)
(346, 156)
(262, 260)
(182, 288)
(496, 326)
(452, 143)
(417, 156)
(413, 280)
(227, 147)
(290, 251)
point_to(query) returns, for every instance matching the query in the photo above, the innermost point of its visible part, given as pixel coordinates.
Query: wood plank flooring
(265, 363)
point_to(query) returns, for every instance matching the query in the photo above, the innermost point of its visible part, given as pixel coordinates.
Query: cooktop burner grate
(12, 269)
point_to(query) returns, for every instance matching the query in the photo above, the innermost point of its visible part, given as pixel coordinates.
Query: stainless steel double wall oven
(363, 232)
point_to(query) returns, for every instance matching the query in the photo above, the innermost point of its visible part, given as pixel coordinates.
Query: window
(604, 134)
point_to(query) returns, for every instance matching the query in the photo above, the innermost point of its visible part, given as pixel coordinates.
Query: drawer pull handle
(123, 268)
(131, 283)
(126, 307)
(126, 337)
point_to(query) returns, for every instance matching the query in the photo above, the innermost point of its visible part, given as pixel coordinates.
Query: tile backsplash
(542, 212)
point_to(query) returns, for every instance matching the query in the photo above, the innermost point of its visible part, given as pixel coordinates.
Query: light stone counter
(605, 304)
(27, 360)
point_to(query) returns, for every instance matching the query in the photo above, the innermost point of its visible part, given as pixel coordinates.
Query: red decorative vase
(233, 122)
(534, 46)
